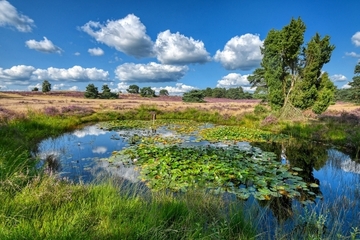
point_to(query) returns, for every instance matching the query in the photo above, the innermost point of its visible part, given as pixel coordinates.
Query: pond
(318, 175)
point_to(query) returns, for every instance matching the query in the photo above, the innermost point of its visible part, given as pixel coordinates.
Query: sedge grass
(47, 208)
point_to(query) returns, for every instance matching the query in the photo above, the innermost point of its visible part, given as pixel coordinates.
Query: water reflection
(81, 155)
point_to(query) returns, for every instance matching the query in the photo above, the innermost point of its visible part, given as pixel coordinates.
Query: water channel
(83, 155)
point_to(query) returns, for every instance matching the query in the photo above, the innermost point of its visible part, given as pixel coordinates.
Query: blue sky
(173, 45)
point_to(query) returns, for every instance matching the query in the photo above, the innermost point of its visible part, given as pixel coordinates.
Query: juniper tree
(291, 73)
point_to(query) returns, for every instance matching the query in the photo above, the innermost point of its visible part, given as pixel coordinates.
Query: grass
(36, 206)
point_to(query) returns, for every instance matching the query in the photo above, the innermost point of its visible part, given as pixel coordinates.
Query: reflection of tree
(305, 155)
(281, 207)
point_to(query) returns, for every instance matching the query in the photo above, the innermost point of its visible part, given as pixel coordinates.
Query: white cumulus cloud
(76, 73)
(338, 78)
(233, 80)
(127, 35)
(121, 87)
(151, 72)
(96, 52)
(346, 86)
(22, 74)
(175, 48)
(9, 16)
(356, 39)
(177, 90)
(45, 46)
(73, 88)
(352, 54)
(241, 52)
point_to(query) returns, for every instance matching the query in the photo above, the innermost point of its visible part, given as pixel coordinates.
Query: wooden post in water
(153, 114)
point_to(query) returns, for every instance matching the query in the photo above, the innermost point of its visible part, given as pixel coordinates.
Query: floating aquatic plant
(219, 169)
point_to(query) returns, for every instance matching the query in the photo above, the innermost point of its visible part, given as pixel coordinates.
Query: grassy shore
(38, 206)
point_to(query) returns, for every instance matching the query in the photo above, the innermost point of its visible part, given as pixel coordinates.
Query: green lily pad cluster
(220, 169)
(235, 133)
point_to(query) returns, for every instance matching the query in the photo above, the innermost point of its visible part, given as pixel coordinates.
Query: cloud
(338, 78)
(73, 88)
(175, 48)
(355, 39)
(96, 52)
(151, 72)
(99, 150)
(233, 80)
(346, 86)
(45, 46)
(22, 74)
(241, 53)
(127, 35)
(77, 54)
(121, 87)
(75, 73)
(178, 89)
(89, 131)
(9, 16)
(352, 54)
(31, 87)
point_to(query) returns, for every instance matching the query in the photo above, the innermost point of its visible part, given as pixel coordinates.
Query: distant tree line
(232, 93)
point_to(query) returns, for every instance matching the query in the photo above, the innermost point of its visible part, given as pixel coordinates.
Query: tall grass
(48, 208)
(36, 206)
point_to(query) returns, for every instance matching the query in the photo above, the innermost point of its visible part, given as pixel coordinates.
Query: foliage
(133, 89)
(107, 94)
(355, 84)
(193, 96)
(35, 89)
(230, 169)
(231, 93)
(147, 92)
(46, 86)
(236, 133)
(343, 95)
(292, 73)
(164, 92)
(91, 91)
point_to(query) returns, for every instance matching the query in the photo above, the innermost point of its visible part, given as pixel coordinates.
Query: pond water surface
(83, 156)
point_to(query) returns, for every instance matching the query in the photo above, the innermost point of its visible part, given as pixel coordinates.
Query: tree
(235, 93)
(46, 86)
(133, 89)
(208, 92)
(193, 96)
(291, 72)
(91, 91)
(219, 92)
(107, 94)
(164, 92)
(355, 85)
(147, 92)
(35, 89)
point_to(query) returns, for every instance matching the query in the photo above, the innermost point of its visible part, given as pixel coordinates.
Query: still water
(83, 157)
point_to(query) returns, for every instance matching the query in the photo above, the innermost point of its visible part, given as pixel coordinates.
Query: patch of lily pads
(166, 163)
(236, 133)
(219, 169)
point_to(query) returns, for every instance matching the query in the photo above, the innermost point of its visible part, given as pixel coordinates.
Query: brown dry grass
(21, 102)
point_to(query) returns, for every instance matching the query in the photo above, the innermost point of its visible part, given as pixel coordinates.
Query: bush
(193, 96)
(147, 92)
